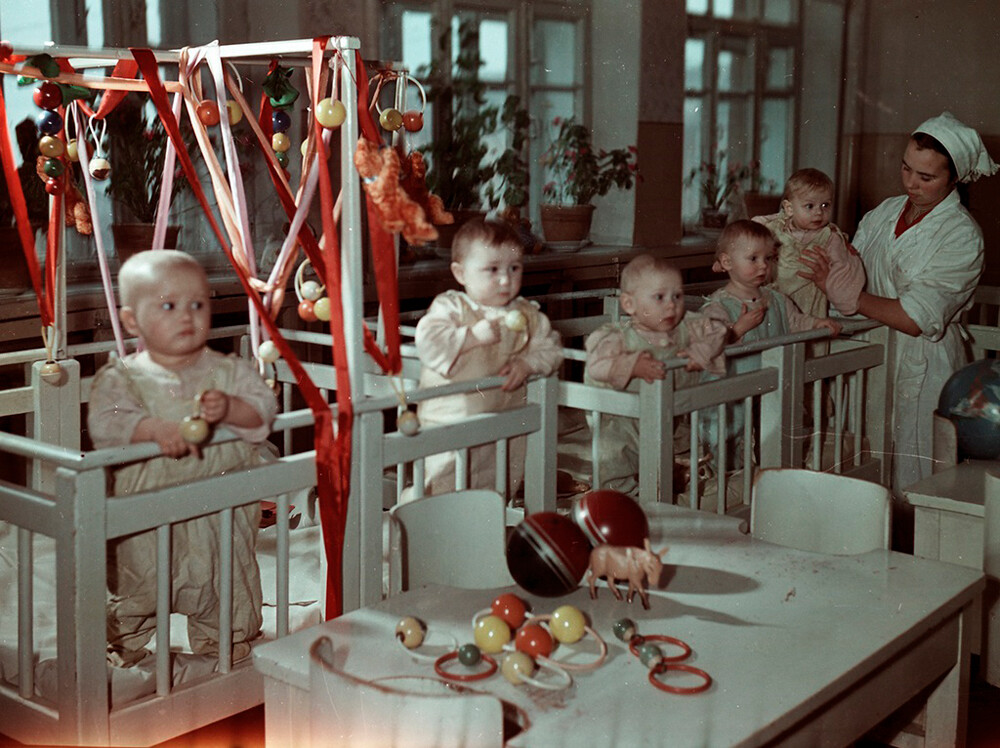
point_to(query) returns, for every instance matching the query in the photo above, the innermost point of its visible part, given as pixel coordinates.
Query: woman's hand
(819, 267)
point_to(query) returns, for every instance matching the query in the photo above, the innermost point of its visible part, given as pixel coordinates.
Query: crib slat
(225, 590)
(163, 584)
(25, 613)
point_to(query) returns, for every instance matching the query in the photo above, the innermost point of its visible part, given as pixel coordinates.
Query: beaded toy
(649, 653)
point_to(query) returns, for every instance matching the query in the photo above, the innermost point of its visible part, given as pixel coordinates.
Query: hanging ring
(664, 667)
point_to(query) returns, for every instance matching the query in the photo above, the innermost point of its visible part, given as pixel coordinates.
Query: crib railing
(80, 517)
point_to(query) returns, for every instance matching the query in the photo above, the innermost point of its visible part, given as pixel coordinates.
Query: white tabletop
(959, 488)
(782, 632)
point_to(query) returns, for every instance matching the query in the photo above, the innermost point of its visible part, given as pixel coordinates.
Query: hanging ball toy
(100, 168)
(51, 146)
(234, 112)
(48, 96)
(515, 320)
(516, 665)
(54, 186)
(194, 429)
(491, 634)
(49, 123)
(282, 158)
(53, 167)
(306, 311)
(410, 632)
(321, 308)
(624, 629)
(567, 624)
(280, 120)
(73, 150)
(510, 608)
(311, 290)
(611, 517)
(408, 423)
(391, 119)
(208, 113)
(330, 113)
(413, 120)
(280, 142)
(547, 554)
(50, 372)
(268, 352)
(534, 640)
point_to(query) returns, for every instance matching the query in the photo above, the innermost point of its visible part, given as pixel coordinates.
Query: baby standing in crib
(655, 330)
(804, 223)
(747, 252)
(484, 330)
(145, 397)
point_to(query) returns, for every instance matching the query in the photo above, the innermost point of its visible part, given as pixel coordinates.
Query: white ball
(515, 320)
(268, 352)
(408, 423)
(311, 290)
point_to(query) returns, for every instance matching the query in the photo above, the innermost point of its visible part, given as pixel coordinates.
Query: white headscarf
(963, 144)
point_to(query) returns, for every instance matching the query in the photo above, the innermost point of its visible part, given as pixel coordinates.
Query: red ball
(611, 517)
(534, 640)
(413, 120)
(48, 96)
(510, 609)
(306, 313)
(54, 186)
(208, 113)
(547, 554)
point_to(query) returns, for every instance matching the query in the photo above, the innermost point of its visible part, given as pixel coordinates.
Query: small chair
(820, 512)
(345, 710)
(457, 539)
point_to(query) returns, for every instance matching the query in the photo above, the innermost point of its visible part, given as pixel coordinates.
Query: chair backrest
(345, 710)
(458, 539)
(821, 512)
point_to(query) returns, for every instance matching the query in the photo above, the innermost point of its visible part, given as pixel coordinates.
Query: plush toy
(77, 212)
(379, 168)
(415, 183)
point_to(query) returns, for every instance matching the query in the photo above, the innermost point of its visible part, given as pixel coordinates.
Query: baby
(657, 329)
(155, 395)
(484, 330)
(804, 224)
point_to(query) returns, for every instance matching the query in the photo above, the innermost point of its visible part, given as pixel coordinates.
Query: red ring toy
(439, 667)
(638, 640)
(665, 666)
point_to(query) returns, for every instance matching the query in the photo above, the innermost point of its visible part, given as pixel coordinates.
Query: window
(740, 84)
(545, 70)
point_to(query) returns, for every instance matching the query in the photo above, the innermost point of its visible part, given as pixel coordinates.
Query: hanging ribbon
(323, 421)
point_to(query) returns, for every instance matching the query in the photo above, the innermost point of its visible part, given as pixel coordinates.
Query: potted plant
(721, 184)
(137, 143)
(577, 174)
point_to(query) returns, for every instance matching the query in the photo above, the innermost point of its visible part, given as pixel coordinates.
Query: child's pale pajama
(124, 393)
(440, 336)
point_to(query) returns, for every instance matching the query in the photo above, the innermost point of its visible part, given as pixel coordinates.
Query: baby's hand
(517, 372)
(748, 319)
(690, 365)
(168, 435)
(833, 326)
(648, 368)
(214, 406)
(485, 332)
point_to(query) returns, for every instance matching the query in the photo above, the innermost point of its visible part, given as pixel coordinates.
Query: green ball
(469, 655)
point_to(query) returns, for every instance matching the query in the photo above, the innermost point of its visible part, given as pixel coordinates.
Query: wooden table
(803, 648)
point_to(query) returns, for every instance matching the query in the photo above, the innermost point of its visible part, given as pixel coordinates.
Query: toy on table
(615, 562)
(612, 518)
(647, 649)
(547, 554)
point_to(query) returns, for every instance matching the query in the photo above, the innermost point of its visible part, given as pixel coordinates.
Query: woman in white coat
(923, 254)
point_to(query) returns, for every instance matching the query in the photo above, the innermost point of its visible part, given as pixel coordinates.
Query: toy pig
(615, 562)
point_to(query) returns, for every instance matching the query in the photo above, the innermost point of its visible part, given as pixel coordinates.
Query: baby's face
(810, 209)
(656, 303)
(173, 318)
(491, 275)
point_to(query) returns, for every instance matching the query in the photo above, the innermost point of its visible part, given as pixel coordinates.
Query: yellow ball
(391, 119)
(51, 147)
(330, 113)
(410, 631)
(491, 634)
(280, 142)
(322, 309)
(515, 320)
(515, 665)
(567, 624)
(234, 112)
(194, 430)
(73, 150)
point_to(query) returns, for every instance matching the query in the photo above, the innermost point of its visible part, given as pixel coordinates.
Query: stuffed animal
(77, 212)
(415, 183)
(379, 168)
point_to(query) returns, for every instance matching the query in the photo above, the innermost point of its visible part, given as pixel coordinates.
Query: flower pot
(136, 237)
(713, 219)
(14, 275)
(761, 203)
(566, 223)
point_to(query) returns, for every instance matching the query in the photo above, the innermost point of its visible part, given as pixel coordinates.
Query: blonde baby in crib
(484, 330)
(656, 329)
(804, 223)
(145, 397)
